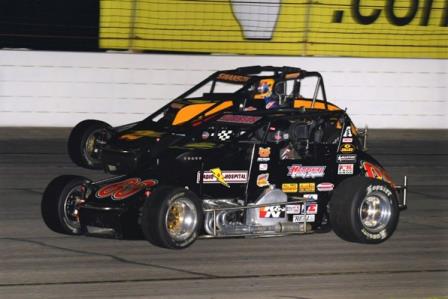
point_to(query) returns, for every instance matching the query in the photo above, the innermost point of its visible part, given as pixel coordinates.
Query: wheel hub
(181, 219)
(71, 207)
(375, 212)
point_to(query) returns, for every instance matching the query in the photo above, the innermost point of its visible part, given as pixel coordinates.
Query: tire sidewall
(154, 213)
(77, 142)
(53, 200)
(362, 233)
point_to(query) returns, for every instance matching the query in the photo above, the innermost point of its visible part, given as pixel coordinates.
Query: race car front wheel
(364, 210)
(172, 218)
(60, 204)
(82, 147)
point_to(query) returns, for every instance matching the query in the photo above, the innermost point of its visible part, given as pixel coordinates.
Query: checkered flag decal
(225, 135)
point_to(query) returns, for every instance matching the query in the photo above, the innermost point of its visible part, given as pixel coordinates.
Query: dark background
(49, 24)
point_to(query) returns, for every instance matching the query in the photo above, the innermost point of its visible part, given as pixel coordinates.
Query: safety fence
(356, 28)
(343, 28)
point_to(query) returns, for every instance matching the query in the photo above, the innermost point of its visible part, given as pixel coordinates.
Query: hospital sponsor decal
(223, 177)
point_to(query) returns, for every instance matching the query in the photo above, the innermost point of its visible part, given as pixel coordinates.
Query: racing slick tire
(172, 218)
(59, 204)
(364, 210)
(81, 143)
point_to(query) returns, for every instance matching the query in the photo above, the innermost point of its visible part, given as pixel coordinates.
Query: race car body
(264, 160)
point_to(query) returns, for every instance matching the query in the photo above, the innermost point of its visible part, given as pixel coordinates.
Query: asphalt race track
(37, 263)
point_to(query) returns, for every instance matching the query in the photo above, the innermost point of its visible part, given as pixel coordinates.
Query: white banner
(63, 88)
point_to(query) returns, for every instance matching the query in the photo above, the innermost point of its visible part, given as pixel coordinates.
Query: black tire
(156, 213)
(81, 143)
(58, 204)
(350, 204)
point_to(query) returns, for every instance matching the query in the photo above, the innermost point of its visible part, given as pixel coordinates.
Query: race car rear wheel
(172, 218)
(364, 210)
(60, 203)
(82, 143)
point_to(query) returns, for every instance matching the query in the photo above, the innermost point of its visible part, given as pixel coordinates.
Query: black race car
(254, 151)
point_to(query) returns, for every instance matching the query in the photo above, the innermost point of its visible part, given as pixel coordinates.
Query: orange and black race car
(254, 151)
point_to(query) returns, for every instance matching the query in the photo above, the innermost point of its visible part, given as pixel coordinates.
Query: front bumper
(402, 194)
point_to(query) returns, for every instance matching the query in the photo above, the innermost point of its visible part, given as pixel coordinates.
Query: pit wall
(59, 89)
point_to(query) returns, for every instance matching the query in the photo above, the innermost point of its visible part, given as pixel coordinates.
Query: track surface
(37, 263)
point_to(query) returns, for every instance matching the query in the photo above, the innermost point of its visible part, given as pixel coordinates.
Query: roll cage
(249, 79)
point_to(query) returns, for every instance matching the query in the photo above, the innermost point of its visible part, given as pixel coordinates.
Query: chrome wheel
(181, 219)
(72, 203)
(90, 153)
(375, 212)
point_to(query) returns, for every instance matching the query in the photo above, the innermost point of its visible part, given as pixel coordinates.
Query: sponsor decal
(217, 173)
(263, 154)
(311, 208)
(345, 169)
(124, 189)
(290, 187)
(384, 189)
(301, 218)
(348, 132)
(139, 134)
(307, 187)
(300, 171)
(299, 209)
(310, 197)
(347, 140)
(224, 135)
(378, 236)
(263, 167)
(376, 172)
(232, 78)
(239, 119)
(294, 209)
(346, 158)
(272, 212)
(347, 148)
(325, 187)
(263, 180)
(226, 177)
